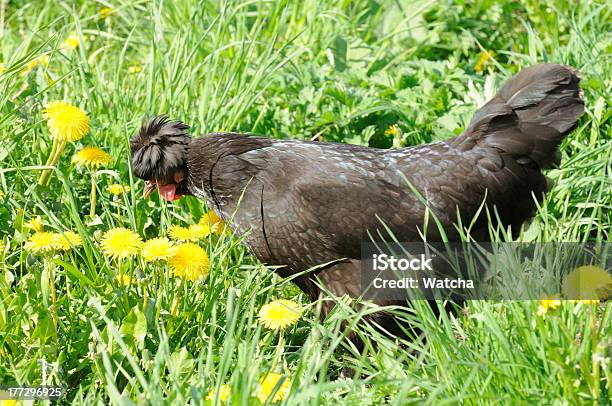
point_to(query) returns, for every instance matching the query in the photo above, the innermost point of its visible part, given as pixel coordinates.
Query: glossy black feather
(160, 149)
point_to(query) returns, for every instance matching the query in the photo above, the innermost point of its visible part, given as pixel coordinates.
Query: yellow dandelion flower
(106, 12)
(546, 304)
(2, 68)
(279, 314)
(9, 402)
(72, 42)
(587, 283)
(224, 393)
(1, 194)
(212, 218)
(211, 222)
(53, 107)
(91, 157)
(269, 384)
(189, 262)
(484, 60)
(35, 224)
(117, 190)
(197, 232)
(125, 280)
(68, 240)
(41, 243)
(66, 122)
(184, 234)
(121, 243)
(393, 131)
(134, 69)
(157, 249)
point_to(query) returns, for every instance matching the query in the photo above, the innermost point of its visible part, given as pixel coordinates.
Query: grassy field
(379, 73)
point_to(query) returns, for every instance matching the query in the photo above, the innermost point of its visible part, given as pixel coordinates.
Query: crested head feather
(159, 149)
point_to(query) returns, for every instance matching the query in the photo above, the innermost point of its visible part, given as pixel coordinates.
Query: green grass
(334, 71)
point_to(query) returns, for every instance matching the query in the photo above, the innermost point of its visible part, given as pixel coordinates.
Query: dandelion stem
(126, 303)
(92, 210)
(53, 296)
(52, 153)
(160, 284)
(278, 358)
(177, 299)
(145, 286)
(56, 153)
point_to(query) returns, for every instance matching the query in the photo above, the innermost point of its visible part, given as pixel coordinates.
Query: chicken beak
(149, 188)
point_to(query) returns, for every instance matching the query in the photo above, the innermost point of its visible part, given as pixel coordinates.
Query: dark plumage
(159, 152)
(309, 203)
(160, 149)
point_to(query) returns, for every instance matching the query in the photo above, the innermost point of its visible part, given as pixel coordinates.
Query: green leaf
(181, 362)
(134, 326)
(339, 49)
(71, 269)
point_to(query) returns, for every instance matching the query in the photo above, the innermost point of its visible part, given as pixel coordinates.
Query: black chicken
(311, 203)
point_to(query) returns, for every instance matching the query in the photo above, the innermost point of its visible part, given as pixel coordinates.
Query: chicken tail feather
(530, 115)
